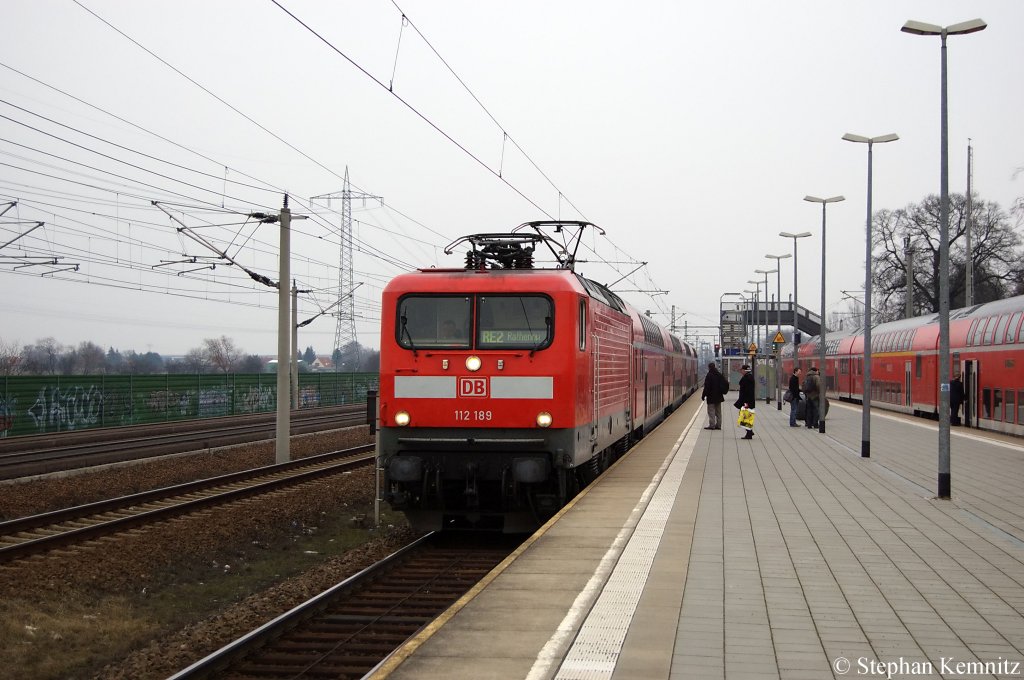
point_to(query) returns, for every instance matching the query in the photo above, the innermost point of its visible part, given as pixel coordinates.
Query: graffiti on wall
(67, 408)
(309, 397)
(7, 410)
(256, 400)
(35, 404)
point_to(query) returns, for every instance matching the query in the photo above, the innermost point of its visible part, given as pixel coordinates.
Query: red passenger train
(505, 388)
(986, 348)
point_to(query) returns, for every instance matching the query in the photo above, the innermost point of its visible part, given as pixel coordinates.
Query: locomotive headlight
(543, 419)
(473, 363)
(402, 418)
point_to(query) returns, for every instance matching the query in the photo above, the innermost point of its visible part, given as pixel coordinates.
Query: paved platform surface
(703, 555)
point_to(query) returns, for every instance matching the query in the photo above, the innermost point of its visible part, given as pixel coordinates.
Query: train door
(970, 378)
(908, 381)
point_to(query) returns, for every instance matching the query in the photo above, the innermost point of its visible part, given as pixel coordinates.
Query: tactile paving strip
(596, 649)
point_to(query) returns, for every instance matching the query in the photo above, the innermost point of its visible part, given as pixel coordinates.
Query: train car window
(974, 335)
(997, 404)
(583, 324)
(1011, 330)
(990, 330)
(1001, 329)
(917, 366)
(1011, 408)
(1020, 407)
(514, 322)
(434, 321)
(986, 403)
(652, 334)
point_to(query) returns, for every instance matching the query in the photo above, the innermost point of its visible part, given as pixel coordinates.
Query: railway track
(26, 536)
(40, 454)
(347, 630)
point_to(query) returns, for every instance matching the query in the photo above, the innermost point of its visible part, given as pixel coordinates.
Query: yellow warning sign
(779, 338)
(753, 347)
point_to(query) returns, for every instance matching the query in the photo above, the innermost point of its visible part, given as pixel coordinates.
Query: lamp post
(822, 395)
(920, 28)
(750, 298)
(796, 307)
(755, 333)
(757, 312)
(767, 391)
(778, 322)
(865, 423)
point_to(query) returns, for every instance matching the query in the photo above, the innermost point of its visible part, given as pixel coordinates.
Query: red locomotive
(986, 349)
(505, 388)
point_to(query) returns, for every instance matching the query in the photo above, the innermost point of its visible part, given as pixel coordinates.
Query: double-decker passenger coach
(504, 388)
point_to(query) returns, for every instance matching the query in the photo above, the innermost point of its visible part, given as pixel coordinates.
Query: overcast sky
(689, 131)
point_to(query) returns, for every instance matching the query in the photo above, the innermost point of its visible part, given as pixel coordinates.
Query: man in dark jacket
(794, 392)
(715, 387)
(956, 398)
(746, 395)
(812, 390)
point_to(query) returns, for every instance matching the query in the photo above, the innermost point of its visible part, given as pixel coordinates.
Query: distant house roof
(322, 362)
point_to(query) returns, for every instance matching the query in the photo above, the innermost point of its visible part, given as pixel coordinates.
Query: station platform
(704, 555)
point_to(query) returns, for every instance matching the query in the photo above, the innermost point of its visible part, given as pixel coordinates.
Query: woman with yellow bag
(746, 403)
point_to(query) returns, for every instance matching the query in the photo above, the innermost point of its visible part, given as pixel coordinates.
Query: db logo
(472, 387)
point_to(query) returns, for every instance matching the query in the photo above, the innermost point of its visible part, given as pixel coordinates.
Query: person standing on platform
(746, 397)
(794, 392)
(715, 387)
(956, 398)
(812, 390)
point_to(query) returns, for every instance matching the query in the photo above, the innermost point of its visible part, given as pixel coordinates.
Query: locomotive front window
(435, 321)
(514, 322)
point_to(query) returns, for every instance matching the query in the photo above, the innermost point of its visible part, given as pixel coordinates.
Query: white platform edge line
(552, 654)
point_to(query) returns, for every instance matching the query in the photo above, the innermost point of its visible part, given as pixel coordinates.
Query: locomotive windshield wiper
(407, 334)
(547, 334)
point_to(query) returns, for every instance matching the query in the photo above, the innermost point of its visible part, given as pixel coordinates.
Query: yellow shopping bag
(746, 418)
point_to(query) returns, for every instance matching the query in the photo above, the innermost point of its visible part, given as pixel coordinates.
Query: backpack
(725, 385)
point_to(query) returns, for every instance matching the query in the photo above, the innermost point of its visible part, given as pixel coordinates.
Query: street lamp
(751, 297)
(778, 322)
(754, 332)
(963, 28)
(796, 332)
(757, 312)
(767, 392)
(865, 423)
(822, 395)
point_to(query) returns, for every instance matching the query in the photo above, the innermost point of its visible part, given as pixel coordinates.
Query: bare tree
(42, 358)
(91, 358)
(10, 357)
(221, 353)
(995, 252)
(194, 360)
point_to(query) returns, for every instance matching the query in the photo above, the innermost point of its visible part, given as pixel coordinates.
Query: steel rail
(275, 476)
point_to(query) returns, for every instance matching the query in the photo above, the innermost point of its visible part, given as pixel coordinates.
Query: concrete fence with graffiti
(38, 404)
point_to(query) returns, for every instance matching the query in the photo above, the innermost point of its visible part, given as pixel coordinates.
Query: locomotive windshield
(514, 322)
(502, 322)
(434, 321)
